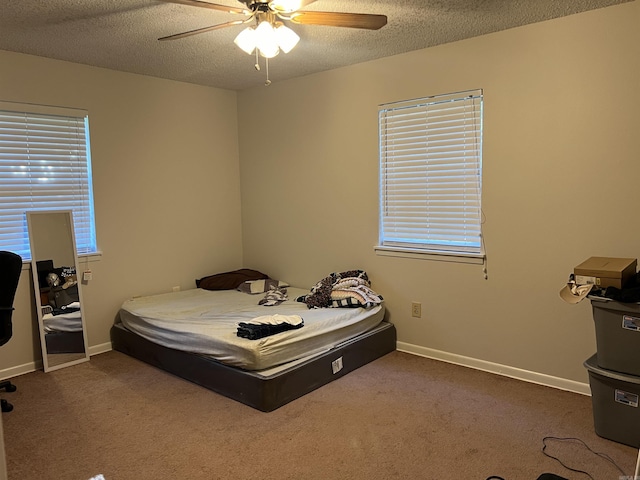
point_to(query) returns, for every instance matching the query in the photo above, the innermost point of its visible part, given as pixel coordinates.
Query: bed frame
(265, 393)
(64, 342)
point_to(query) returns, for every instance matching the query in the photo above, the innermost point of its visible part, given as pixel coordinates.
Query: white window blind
(430, 174)
(44, 165)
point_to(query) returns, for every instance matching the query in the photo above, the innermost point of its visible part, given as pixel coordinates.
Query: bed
(68, 321)
(61, 316)
(194, 334)
(63, 331)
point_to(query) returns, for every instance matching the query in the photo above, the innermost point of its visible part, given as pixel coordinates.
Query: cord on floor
(562, 439)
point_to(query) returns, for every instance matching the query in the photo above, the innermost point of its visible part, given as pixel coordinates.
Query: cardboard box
(605, 271)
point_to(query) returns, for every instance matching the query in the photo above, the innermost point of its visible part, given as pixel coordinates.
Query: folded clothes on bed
(276, 319)
(266, 325)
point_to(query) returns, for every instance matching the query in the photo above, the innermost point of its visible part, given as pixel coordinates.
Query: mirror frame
(47, 362)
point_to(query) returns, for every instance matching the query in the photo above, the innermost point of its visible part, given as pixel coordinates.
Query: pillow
(229, 280)
(260, 286)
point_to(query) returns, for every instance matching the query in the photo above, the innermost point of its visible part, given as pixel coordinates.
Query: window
(431, 175)
(44, 165)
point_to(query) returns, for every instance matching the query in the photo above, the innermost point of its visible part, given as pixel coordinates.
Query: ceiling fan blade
(212, 6)
(331, 19)
(202, 30)
(288, 6)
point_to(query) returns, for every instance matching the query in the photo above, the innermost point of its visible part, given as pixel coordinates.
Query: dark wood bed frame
(257, 391)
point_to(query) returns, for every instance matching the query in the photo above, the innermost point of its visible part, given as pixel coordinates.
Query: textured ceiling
(123, 34)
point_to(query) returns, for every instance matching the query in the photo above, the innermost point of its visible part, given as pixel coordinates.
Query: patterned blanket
(351, 288)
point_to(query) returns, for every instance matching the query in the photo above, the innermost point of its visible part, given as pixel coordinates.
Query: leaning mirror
(58, 292)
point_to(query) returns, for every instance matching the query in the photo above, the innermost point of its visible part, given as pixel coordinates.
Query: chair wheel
(6, 406)
(11, 388)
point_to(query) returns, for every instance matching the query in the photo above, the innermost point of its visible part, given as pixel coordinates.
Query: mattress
(64, 322)
(205, 322)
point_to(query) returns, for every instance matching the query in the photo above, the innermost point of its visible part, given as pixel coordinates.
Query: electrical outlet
(416, 309)
(176, 288)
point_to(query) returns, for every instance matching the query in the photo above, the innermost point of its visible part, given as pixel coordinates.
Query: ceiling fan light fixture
(267, 40)
(246, 40)
(287, 38)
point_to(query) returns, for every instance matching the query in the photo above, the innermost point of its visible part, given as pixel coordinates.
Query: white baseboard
(498, 369)
(37, 365)
(20, 370)
(102, 348)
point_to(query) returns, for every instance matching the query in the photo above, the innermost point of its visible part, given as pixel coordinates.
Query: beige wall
(561, 170)
(166, 187)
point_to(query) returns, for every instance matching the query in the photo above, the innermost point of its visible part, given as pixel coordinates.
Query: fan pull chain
(257, 67)
(268, 82)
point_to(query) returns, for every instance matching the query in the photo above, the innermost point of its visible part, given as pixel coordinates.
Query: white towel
(276, 319)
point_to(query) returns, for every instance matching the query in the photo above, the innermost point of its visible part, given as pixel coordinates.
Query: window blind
(430, 173)
(44, 165)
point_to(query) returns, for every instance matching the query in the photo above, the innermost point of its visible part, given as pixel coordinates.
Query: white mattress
(206, 322)
(64, 322)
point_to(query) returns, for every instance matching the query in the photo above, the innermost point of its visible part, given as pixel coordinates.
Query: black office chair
(10, 268)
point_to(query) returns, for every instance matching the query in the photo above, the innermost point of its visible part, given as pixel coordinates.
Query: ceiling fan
(268, 36)
(282, 9)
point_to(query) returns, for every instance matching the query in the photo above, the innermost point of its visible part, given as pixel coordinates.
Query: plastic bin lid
(591, 364)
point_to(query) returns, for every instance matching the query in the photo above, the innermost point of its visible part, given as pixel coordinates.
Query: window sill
(85, 257)
(473, 258)
(90, 257)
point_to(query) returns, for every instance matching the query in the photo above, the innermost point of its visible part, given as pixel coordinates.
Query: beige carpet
(399, 417)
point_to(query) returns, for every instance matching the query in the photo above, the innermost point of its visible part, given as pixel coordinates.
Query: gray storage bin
(615, 398)
(617, 335)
